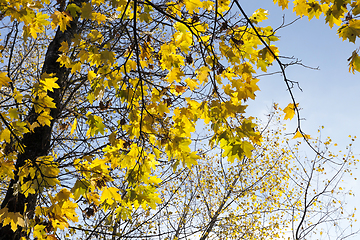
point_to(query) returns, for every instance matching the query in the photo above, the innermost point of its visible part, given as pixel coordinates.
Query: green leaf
(73, 9)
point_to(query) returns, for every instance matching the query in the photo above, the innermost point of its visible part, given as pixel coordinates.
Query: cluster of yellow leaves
(58, 215)
(35, 176)
(42, 102)
(13, 219)
(343, 13)
(160, 113)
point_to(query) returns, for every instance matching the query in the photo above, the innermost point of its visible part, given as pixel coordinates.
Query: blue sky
(330, 96)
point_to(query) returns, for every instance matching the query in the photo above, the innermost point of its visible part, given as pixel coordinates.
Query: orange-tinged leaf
(180, 89)
(51, 237)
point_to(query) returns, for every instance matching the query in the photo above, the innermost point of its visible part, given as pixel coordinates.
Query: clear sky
(330, 97)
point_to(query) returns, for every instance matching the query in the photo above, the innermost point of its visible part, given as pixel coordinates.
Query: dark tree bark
(37, 143)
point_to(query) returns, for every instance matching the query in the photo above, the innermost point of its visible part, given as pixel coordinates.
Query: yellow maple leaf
(33, 126)
(290, 111)
(354, 62)
(45, 102)
(6, 169)
(202, 74)
(300, 7)
(298, 134)
(44, 118)
(350, 31)
(68, 209)
(73, 127)
(282, 3)
(64, 47)
(4, 80)
(193, 5)
(48, 82)
(61, 19)
(39, 231)
(192, 83)
(13, 218)
(110, 195)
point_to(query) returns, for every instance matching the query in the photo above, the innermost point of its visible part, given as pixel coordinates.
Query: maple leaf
(39, 231)
(192, 83)
(259, 15)
(203, 74)
(110, 195)
(73, 9)
(48, 82)
(282, 3)
(79, 189)
(301, 7)
(298, 134)
(290, 111)
(6, 169)
(350, 31)
(15, 219)
(193, 5)
(180, 89)
(63, 195)
(68, 208)
(4, 80)
(43, 103)
(61, 19)
(354, 62)
(64, 47)
(86, 11)
(14, 113)
(44, 118)
(73, 126)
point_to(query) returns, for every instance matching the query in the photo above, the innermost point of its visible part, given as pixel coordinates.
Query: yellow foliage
(116, 110)
(290, 111)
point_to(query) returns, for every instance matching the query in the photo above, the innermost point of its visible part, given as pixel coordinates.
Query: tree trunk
(37, 143)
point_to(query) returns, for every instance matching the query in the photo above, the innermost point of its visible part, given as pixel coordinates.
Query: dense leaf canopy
(119, 117)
